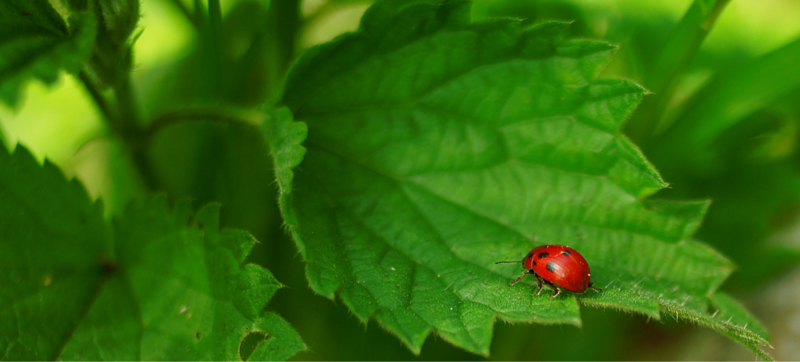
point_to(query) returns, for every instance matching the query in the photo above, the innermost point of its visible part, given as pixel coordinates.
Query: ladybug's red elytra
(556, 266)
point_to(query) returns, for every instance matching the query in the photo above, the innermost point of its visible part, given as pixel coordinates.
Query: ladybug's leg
(538, 281)
(555, 289)
(520, 278)
(597, 289)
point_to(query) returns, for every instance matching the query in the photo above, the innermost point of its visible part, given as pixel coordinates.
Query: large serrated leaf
(52, 244)
(171, 285)
(36, 43)
(436, 147)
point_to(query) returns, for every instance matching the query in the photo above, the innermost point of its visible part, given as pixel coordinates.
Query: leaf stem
(128, 108)
(195, 115)
(677, 53)
(215, 16)
(98, 98)
(131, 131)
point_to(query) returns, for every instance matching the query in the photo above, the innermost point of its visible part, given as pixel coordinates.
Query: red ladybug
(556, 266)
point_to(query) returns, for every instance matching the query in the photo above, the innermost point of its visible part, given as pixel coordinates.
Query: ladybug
(556, 266)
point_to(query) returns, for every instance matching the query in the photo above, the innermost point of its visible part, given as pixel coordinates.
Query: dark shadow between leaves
(249, 343)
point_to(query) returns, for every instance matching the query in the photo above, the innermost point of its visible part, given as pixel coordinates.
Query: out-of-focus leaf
(245, 78)
(751, 172)
(728, 99)
(436, 147)
(171, 285)
(36, 43)
(675, 55)
(211, 161)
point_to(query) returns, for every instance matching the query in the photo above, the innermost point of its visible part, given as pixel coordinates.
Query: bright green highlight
(35, 42)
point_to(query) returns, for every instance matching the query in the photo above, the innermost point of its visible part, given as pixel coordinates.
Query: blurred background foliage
(722, 124)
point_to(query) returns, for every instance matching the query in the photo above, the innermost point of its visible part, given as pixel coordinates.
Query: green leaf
(54, 244)
(36, 43)
(172, 285)
(437, 147)
(730, 319)
(734, 313)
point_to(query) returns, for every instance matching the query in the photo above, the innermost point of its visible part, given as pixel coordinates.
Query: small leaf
(437, 147)
(171, 286)
(36, 43)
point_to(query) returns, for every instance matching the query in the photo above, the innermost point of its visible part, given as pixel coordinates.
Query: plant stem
(211, 50)
(124, 122)
(195, 115)
(98, 98)
(677, 53)
(199, 13)
(128, 107)
(284, 22)
(215, 16)
(129, 129)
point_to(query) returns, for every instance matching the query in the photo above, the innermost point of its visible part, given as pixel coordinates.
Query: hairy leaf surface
(436, 147)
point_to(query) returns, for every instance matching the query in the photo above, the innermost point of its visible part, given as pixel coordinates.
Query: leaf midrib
(399, 182)
(439, 240)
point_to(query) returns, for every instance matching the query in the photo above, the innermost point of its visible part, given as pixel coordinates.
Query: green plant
(406, 157)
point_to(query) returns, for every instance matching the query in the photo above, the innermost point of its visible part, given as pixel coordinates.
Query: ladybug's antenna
(508, 262)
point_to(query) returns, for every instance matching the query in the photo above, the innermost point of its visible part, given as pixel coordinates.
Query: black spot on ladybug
(551, 267)
(530, 255)
(566, 252)
(543, 255)
(534, 263)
